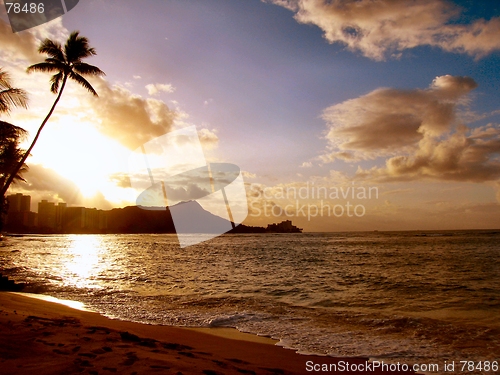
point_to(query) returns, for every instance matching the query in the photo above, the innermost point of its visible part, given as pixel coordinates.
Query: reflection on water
(85, 260)
(402, 296)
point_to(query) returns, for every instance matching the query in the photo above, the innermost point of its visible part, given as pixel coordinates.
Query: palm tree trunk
(26, 154)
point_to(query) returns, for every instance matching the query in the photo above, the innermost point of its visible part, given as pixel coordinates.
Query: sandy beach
(50, 338)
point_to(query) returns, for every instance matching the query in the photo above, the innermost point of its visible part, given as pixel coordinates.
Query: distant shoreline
(262, 230)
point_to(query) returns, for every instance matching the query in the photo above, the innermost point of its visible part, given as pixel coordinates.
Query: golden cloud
(417, 131)
(383, 27)
(18, 45)
(463, 155)
(129, 118)
(156, 88)
(387, 121)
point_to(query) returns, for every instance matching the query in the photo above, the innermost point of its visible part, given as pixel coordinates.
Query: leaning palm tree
(65, 63)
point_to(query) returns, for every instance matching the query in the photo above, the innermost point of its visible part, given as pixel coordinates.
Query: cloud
(387, 121)
(190, 191)
(24, 45)
(118, 113)
(129, 118)
(418, 133)
(463, 155)
(18, 45)
(248, 175)
(208, 138)
(156, 88)
(45, 183)
(378, 28)
(120, 179)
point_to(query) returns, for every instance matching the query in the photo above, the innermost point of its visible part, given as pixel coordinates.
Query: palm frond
(55, 81)
(10, 155)
(55, 62)
(53, 49)
(77, 48)
(12, 97)
(82, 81)
(45, 67)
(9, 132)
(87, 69)
(5, 82)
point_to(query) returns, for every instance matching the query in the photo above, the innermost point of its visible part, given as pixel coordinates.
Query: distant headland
(285, 226)
(60, 219)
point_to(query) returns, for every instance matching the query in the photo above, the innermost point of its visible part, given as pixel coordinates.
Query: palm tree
(65, 63)
(10, 154)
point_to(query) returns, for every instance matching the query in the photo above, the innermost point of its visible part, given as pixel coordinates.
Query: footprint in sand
(174, 346)
(63, 352)
(131, 359)
(88, 355)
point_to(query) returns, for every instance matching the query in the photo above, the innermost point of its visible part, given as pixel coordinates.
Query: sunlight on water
(85, 261)
(402, 296)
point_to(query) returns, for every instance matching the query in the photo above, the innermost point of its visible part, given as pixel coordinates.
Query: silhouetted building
(84, 220)
(59, 218)
(285, 226)
(19, 203)
(19, 217)
(74, 219)
(60, 212)
(103, 220)
(46, 215)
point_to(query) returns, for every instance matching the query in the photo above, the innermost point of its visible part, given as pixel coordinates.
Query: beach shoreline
(52, 338)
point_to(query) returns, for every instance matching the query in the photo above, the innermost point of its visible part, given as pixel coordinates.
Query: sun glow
(78, 152)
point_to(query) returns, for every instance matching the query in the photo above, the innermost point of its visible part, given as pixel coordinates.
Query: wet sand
(41, 337)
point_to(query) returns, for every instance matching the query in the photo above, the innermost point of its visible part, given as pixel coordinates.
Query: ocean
(407, 297)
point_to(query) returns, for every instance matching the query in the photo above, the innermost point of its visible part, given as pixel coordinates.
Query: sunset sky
(401, 96)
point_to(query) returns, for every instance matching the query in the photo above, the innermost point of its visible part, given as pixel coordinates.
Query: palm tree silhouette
(65, 63)
(10, 154)
(10, 134)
